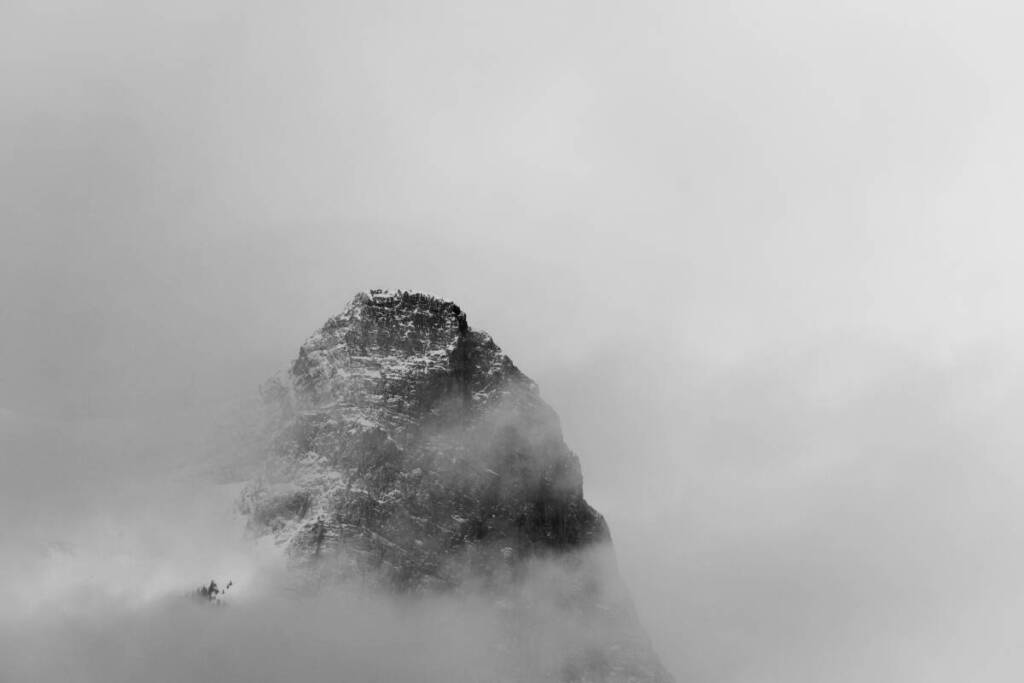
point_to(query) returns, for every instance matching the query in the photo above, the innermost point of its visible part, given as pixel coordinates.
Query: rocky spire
(407, 451)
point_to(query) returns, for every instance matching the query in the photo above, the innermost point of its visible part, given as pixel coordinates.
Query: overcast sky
(763, 258)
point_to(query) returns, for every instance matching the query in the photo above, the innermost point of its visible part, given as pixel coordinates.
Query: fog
(762, 259)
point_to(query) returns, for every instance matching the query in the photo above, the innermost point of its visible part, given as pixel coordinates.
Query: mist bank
(841, 512)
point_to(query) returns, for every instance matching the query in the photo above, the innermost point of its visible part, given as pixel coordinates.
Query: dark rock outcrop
(407, 452)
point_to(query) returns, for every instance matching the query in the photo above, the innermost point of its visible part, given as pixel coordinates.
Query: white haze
(762, 258)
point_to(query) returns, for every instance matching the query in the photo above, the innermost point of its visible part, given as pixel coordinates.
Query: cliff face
(407, 452)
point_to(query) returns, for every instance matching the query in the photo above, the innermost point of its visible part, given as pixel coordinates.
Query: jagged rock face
(408, 452)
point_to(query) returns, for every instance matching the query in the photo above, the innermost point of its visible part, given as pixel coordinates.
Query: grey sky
(763, 258)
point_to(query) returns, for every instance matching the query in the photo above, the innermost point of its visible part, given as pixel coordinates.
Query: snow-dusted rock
(407, 452)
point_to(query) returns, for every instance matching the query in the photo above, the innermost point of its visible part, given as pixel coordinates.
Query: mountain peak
(401, 353)
(420, 308)
(409, 453)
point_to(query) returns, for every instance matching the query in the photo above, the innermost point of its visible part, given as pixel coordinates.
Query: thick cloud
(762, 258)
(826, 514)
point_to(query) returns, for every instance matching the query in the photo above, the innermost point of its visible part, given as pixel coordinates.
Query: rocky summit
(408, 454)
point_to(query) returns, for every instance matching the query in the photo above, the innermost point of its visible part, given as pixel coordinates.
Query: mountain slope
(409, 454)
